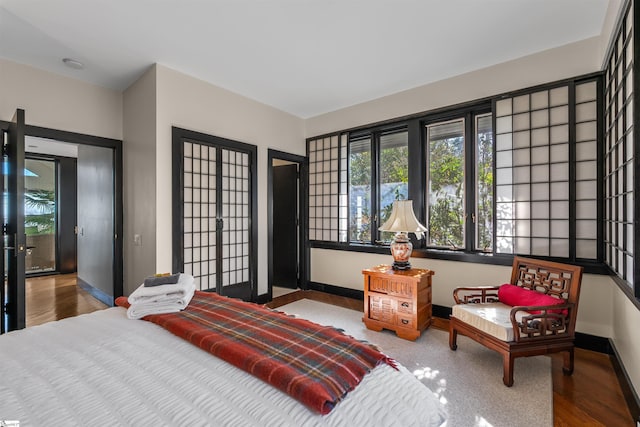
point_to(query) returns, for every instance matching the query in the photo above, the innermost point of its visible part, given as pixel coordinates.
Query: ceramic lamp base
(401, 248)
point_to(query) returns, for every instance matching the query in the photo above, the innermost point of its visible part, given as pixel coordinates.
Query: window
(515, 174)
(483, 215)
(459, 196)
(328, 188)
(620, 144)
(445, 184)
(532, 173)
(376, 181)
(360, 209)
(394, 175)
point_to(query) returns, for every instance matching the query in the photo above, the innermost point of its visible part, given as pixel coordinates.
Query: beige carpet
(468, 381)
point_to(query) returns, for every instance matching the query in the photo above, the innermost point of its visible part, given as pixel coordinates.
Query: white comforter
(103, 369)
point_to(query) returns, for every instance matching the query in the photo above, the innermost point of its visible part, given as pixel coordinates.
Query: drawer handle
(405, 304)
(405, 321)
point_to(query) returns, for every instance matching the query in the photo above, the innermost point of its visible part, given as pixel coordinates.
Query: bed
(105, 369)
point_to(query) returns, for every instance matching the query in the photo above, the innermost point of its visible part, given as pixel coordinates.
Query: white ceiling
(306, 57)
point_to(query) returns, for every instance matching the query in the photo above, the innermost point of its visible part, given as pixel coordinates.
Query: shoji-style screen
(216, 217)
(542, 203)
(586, 135)
(328, 214)
(532, 173)
(235, 217)
(619, 153)
(200, 209)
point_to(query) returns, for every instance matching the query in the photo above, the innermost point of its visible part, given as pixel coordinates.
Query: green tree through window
(446, 184)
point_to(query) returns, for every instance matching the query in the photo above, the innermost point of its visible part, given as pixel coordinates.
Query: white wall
(610, 19)
(625, 335)
(139, 175)
(548, 66)
(58, 102)
(193, 104)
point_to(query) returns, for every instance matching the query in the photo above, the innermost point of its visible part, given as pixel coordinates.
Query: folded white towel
(162, 298)
(160, 306)
(163, 293)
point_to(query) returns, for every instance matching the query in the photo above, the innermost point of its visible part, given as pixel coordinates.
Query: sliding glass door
(40, 215)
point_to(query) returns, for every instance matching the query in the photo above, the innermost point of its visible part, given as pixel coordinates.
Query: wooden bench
(521, 330)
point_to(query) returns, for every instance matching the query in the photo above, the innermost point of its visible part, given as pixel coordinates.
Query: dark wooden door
(285, 226)
(14, 239)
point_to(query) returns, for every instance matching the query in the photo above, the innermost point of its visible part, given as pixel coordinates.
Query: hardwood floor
(56, 297)
(591, 396)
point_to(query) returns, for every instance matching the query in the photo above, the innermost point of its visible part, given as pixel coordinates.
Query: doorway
(47, 213)
(50, 199)
(287, 260)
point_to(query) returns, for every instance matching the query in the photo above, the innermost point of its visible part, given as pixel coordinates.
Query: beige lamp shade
(403, 219)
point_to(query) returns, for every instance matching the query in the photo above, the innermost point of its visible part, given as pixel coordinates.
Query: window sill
(591, 267)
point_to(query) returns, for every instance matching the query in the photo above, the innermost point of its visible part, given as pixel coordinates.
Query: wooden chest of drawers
(397, 300)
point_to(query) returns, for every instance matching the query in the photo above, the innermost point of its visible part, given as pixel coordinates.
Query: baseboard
(441, 311)
(337, 290)
(584, 341)
(96, 293)
(630, 395)
(593, 343)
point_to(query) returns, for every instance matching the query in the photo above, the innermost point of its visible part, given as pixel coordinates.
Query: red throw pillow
(515, 295)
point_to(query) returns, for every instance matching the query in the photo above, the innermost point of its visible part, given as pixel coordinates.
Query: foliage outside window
(484, 183)
(375, 185)
(40, 208)
(394, 175)
(445, 195)
(40, 214)
(360, 190)
(460, 217)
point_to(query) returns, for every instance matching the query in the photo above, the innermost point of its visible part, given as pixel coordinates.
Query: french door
(214, 211)
(12, 295)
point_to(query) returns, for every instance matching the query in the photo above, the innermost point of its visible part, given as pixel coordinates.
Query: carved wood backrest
(551, 278)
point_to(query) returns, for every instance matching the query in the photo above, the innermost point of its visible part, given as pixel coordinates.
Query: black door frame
(96, 141)
(14, 238)
(303, 253)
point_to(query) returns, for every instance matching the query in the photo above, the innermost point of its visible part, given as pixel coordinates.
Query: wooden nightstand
(399, 300)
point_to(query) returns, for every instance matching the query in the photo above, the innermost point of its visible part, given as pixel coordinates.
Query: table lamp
(402, 221)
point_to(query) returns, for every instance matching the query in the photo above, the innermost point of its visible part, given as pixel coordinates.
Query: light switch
(137, 240)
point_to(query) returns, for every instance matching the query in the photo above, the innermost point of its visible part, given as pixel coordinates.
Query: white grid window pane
(328, 188)
(537, 166)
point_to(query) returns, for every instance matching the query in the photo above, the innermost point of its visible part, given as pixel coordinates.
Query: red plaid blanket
(317, 365)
